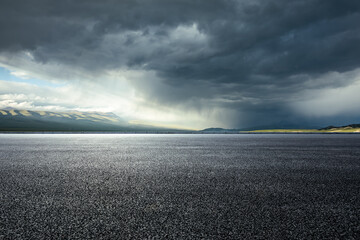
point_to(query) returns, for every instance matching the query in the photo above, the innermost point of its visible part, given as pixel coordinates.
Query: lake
(123, 186)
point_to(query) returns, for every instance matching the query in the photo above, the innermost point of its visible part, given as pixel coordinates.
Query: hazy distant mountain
(26, 120)
(219, 130)
(352, 128)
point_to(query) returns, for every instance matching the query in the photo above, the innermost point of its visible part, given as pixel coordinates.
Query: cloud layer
(230, 63)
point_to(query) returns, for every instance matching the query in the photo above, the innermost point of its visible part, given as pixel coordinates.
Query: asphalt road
(180, 186)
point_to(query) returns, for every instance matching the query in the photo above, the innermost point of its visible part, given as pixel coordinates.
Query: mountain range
(28, 120)
(20, 120)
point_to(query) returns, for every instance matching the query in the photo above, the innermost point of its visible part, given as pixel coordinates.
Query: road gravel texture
(122, 186)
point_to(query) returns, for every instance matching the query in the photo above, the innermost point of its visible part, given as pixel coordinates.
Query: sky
(186, 63)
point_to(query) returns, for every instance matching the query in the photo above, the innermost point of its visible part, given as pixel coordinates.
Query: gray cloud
(250, 57)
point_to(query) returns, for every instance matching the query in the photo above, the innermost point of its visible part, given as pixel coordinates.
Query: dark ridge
(218, 130)
(335, 127)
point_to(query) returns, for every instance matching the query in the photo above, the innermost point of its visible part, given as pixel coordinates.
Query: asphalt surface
(291, 186)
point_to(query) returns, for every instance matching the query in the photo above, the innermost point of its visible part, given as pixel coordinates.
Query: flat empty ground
(257, 186)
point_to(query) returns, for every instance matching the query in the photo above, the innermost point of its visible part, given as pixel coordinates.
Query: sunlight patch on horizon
(162, 125)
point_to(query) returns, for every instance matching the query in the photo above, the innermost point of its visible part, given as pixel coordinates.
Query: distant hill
(347, 128)
(219, 130)
(352, 128)
(26, 120)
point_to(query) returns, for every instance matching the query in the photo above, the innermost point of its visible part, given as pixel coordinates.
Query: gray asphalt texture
(261, 186)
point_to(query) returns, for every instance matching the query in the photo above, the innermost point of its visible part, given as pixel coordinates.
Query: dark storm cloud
(249, 56)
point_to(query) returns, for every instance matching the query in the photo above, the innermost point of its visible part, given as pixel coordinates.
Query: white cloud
(88, 96)
(118, 89)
